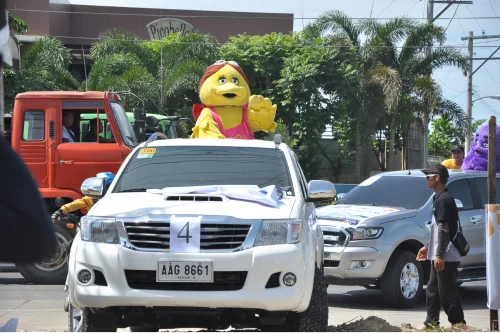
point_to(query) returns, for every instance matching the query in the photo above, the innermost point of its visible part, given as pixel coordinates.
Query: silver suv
(373, 233)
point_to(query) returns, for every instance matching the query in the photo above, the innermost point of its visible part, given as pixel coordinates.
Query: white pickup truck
(201, 234)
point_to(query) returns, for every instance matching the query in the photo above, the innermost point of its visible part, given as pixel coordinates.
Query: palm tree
(165, 74)
(44, 67)
(410, 67)
(397, 75)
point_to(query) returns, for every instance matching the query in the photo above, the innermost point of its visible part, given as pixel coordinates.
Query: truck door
(472, 221)
(33, 143)
(88, 151)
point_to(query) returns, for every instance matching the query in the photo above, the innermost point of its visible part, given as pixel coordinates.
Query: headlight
(365, 233)
(275, 232)
(98, 229)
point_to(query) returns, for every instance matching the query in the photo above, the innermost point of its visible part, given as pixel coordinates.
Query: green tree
(165, 74)
(301, 76)
(446, 133)
(392, 81)
(44, 67)
(16, 25)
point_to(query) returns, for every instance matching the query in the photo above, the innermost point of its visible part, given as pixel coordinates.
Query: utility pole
(470, 73)
(428, 50)
(468, 115)
(430, 19)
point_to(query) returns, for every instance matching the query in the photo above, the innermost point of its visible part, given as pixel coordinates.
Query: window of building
(34, 126)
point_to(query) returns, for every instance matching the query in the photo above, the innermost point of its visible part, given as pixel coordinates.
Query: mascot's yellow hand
(261, 113)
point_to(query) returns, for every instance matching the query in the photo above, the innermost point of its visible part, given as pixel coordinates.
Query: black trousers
(442, 290)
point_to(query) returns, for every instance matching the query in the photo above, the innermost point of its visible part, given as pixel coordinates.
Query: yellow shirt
(450, 164)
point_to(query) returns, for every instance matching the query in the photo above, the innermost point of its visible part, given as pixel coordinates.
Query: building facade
(78, 26)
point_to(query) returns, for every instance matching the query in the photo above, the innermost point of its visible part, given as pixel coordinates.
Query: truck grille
(333, 236)
(223, 281)
(214, 236)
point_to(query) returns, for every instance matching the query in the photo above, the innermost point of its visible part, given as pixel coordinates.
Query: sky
(482, 18)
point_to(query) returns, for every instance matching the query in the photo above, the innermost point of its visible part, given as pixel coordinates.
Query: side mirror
(320, 190)
(59, 202)
(459, 204)
(93, 187)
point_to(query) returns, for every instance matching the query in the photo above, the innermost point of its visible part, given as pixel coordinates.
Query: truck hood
(346, 216)
(139, 204)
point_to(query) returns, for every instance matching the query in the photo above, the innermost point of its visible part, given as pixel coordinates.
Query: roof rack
(156, 136)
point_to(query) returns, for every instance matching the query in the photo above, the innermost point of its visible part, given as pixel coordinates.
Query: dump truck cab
(41, 125)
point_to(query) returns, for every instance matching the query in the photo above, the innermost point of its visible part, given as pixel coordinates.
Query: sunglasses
(430, 176)
(222, 62)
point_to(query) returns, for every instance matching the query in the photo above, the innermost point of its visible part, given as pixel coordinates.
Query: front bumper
(341, 264)
(259, 263)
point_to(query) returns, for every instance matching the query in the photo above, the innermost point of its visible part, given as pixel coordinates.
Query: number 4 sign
(185, 234)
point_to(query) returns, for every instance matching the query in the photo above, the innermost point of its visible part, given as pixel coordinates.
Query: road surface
(39, 307)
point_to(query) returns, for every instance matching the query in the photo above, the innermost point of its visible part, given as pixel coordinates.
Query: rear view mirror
(93, 187)
(320, 190)
(459, 204)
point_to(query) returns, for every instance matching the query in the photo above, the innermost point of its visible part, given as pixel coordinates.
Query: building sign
(162, 27)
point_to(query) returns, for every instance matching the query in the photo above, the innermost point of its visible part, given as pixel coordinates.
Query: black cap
(458, 148)
(440, 170)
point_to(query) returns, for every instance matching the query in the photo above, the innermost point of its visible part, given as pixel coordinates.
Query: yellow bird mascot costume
(228, 110)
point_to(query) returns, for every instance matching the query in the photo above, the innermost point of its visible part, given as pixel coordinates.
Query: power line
(284, 16)
(456, 9)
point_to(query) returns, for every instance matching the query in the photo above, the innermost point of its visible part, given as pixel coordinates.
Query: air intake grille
(214, 236)
(333, 237)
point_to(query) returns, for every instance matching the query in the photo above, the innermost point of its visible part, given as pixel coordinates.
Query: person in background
(456, 162)
(94, 130)
(26, 235)
(67, 121)
(442, 288)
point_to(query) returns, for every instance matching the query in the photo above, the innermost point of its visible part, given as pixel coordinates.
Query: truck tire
(83, 320)
(402, 282)
(315, 318)
(51, 270)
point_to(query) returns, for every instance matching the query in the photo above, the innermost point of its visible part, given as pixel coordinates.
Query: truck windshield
(393, 191)
(126, 130)
(160, 167)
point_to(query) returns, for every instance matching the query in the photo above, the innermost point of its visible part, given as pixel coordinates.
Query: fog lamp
(327, 256)
(361, 264)
(289, 279)
(84, 276)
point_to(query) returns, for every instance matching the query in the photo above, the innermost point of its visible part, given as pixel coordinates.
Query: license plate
(185, 271)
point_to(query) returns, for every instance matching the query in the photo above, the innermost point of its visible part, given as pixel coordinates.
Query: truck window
(482, 186)
(460, 190)
(34, 126)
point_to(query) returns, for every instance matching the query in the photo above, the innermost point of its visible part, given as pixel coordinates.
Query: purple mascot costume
(477, 158)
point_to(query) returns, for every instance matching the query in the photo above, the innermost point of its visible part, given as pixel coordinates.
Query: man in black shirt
(442, 288)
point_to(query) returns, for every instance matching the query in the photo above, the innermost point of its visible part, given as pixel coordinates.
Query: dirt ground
(370, 325)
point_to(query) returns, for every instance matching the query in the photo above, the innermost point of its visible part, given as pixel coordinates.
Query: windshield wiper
(133, 190)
